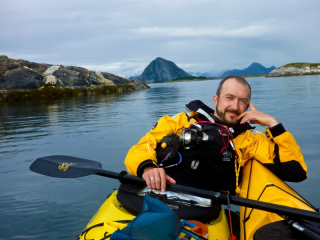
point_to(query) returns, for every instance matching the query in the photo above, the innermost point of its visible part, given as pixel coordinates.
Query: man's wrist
(148, 168)
(145, 164)
(273, 122)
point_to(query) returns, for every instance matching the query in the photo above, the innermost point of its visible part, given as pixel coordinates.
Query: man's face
(233, 100)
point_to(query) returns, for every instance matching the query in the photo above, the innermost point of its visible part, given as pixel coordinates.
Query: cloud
(128, 68)
(248, 31)
(124, 36)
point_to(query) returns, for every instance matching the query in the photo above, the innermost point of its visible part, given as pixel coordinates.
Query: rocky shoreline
(24, 78)
(296, 69)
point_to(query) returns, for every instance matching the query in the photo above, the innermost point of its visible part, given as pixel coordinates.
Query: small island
(296, 69)
(21, 80)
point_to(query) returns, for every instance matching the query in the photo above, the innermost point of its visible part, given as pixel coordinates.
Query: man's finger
(170, 179)
(242, 115)
(157, 181)
(248, 117)
(153, 183)
(148, 182)
(252, 121)
(163, 179)
(146, 177)
(252, 106)
(148, 173)
(244, 119)
(152, 177)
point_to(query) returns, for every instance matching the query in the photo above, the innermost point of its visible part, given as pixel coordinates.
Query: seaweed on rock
(48, 92)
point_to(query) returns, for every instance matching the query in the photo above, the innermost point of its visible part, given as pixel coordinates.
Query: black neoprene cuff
(143, 165)
(277, 130)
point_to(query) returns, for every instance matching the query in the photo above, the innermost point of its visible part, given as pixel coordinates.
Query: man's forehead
(232, 86)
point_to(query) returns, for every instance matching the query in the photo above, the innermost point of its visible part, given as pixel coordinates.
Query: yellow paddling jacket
(276, 149)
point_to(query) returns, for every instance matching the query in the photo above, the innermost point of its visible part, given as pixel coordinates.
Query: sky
(123, 36)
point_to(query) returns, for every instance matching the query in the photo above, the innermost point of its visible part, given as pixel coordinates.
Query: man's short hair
(238, 79)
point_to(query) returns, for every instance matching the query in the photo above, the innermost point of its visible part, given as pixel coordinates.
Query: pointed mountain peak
(255, 64)
(159, 58)
(161, 69)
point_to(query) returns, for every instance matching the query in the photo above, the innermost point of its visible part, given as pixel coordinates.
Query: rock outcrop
(161, 70)
(23, 75)
(296, 69)
(21, 78)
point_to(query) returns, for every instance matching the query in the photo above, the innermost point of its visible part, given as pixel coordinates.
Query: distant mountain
(201, 74)
(254, 68)
(161, 70)
(210, 74)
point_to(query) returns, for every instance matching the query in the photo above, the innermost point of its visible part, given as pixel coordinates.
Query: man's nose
(235, 104)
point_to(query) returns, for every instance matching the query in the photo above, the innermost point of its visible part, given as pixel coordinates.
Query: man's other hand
(156, 178)
(257, 117)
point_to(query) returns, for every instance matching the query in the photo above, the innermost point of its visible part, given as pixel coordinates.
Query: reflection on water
(161, 100)
(103, 128)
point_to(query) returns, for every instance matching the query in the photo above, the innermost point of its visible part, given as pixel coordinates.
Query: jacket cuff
(275, 131)
(143, 165)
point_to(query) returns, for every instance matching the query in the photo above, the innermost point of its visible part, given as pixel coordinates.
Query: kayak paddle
(72, 167)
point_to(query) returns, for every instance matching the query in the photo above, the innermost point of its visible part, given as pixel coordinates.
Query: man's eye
(243, 101)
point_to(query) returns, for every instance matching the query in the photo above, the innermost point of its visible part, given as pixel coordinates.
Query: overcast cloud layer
(122, 37)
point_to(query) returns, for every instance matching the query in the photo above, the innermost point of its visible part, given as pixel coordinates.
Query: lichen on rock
(53, 81)
(103, 80)
(51, 70)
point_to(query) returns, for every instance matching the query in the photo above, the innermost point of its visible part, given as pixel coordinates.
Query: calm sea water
(103, 129)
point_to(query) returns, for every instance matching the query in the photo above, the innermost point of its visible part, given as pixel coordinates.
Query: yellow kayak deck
(104, 222)
(259, 183)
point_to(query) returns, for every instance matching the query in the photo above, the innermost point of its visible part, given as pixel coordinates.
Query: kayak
(258, 183)
(269, 206)
(112, 216)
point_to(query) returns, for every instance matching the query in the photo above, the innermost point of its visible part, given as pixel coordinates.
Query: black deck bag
(131, 202)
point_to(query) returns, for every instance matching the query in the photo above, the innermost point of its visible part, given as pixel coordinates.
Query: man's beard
(222, 116)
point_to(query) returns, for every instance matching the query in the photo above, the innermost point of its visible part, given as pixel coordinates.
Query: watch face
(226, 155)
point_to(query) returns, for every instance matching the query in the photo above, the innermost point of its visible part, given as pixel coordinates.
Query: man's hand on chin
(257, 117)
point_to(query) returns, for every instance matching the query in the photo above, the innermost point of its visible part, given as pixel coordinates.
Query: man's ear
(215, 100)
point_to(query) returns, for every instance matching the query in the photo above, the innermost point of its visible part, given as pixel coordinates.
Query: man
(216, 165)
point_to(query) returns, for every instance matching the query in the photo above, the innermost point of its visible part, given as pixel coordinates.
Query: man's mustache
(232, 111)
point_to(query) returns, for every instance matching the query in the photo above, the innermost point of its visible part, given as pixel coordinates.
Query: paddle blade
(65, 166)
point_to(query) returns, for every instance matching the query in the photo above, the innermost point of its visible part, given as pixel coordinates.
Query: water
(103, 129)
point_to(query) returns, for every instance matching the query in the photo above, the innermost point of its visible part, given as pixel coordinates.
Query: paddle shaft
(72, 167)
(222, 197)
